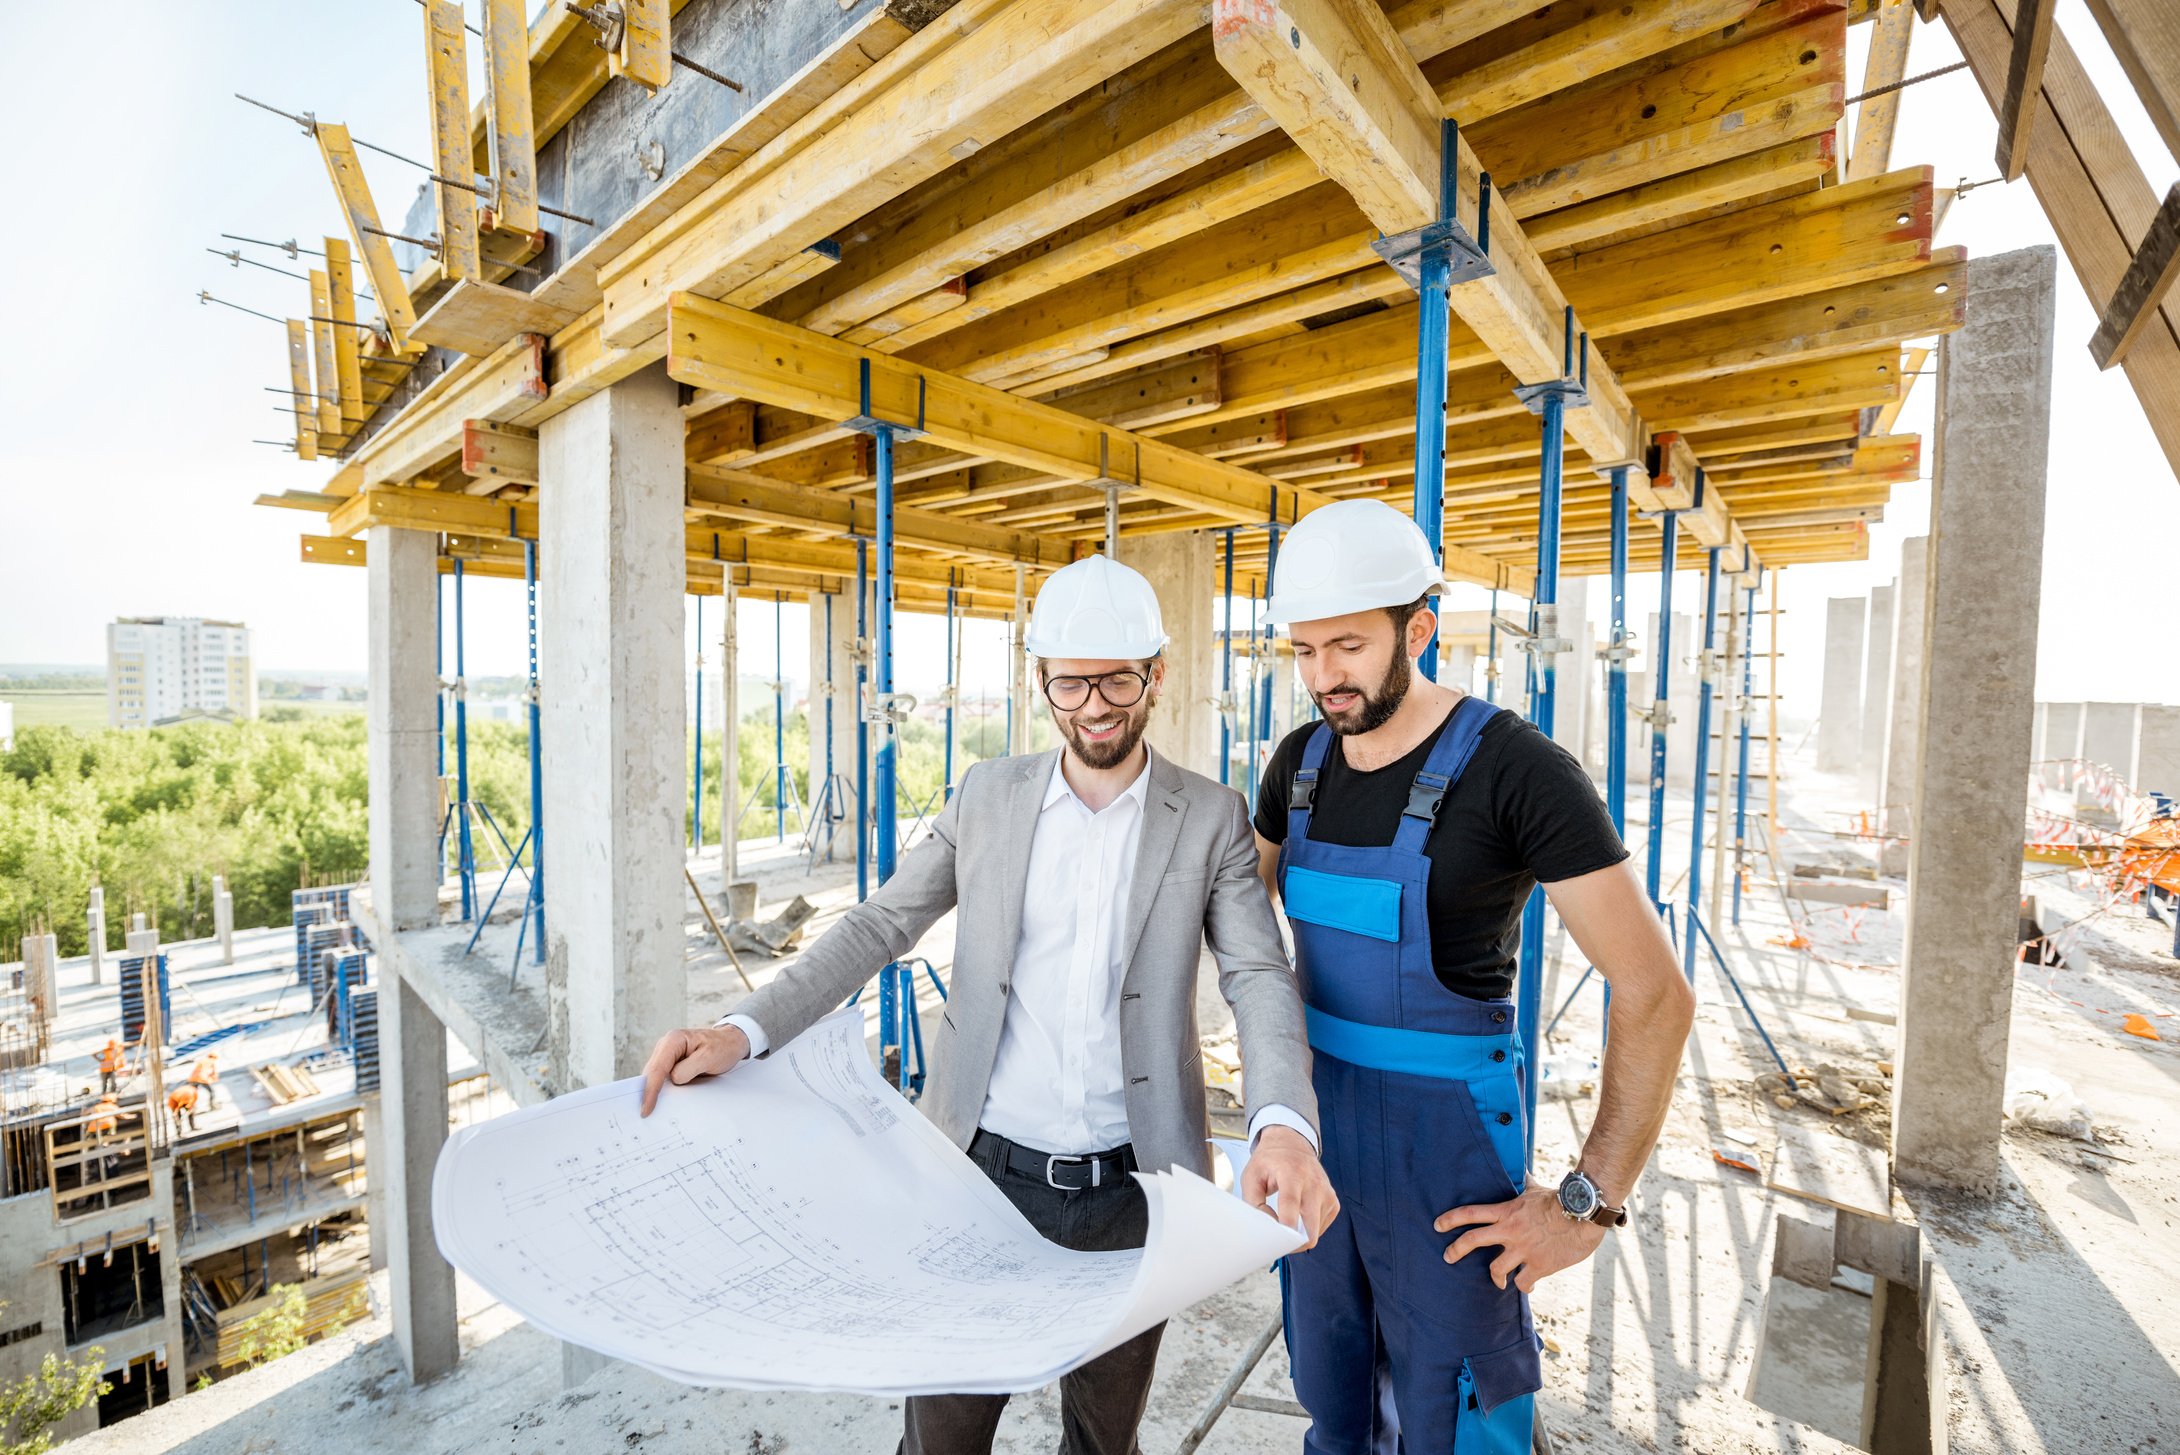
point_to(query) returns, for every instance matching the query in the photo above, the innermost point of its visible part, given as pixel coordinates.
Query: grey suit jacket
(1195, 879)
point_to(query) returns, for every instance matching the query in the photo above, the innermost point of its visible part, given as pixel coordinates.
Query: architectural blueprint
(796, 1225)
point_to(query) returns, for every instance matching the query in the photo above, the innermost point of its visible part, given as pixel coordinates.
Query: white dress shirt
(1057, 1084)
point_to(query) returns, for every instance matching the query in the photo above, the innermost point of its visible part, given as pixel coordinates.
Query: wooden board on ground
(1832, 1170)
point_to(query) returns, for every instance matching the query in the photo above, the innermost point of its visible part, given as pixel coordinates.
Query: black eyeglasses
(1119, 689)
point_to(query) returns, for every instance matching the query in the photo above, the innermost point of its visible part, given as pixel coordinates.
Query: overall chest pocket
(1367, 907)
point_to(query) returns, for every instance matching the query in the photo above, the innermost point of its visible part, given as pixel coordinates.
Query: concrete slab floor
(1649, 1346)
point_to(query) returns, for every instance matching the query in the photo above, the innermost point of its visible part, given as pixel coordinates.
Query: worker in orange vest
(206, 1074)
(105, 1121)
(112, 1060)
(182, 1101)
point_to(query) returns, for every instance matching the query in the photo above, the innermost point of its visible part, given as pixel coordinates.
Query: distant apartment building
(162, 669)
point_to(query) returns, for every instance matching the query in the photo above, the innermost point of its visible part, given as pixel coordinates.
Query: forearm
(1648, 1026)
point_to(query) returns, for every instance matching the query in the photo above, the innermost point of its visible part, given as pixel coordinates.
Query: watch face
(1577, 1197)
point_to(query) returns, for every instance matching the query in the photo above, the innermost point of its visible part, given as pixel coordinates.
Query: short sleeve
(1277, 785)
(1549, 811)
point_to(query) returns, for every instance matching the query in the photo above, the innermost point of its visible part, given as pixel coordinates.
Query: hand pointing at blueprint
(798, 1226)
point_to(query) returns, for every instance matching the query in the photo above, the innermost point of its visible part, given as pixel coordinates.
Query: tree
(35, 1403)
(275, 1330)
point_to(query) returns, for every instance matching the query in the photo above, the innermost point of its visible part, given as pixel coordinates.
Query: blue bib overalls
(1419, 1095)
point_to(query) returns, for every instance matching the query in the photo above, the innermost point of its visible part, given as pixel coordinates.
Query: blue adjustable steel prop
(1703, 747)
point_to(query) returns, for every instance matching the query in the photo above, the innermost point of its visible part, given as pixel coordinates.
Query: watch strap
(1608, 1217)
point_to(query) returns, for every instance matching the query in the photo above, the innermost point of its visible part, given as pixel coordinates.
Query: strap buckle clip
(1304, 790)
(1097, 1172)
(1425, 795)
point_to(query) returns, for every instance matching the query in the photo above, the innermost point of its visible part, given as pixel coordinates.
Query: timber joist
(1094, 245)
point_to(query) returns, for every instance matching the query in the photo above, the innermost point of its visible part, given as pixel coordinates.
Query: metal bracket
(888, 708)
(1404, 252)
(1658, 716)
(1571, 393)
(1612, 654)
(868, 423)
(1545, 641)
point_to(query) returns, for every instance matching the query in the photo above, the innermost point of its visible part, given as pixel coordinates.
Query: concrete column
(2157, 750)
(1876, 692)
(95, 922)
(2108, 738)
(1839, 718)
(223, 919)
(1288, 711)
(615, 719)
(136, 923)
(1573, 668)
(412, 1126)
(1975, 690)
(41, 971)
(1903, 732)
(2061, 737)
(1459, 670)
(1018, 674)
(730, 746)
(1179, 564)
(404, 727)
(143, 942)
(838, 689)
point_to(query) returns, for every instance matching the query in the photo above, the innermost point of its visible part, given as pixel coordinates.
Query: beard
(1377, 705)
(1108, 752)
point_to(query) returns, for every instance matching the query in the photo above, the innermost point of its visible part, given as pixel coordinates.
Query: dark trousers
(1102, 1402)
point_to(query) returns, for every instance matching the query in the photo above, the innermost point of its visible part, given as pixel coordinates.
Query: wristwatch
(1580, 1200)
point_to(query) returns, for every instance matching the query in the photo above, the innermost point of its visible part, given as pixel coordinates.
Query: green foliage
(35, 1403)
(274, 1331)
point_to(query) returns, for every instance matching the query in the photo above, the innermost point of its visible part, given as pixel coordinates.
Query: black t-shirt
(1523, 811)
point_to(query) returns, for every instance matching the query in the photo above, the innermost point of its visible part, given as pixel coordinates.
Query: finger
(1470, 1241)
(1503, 1266)
(1484, 1214)
(654, 1072)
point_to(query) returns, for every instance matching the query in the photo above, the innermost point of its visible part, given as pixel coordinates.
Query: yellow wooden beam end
(501, 453)
(387, 284)
(406, 507)
(743, 354)
(446, 60)
(1464, 564)
(1672, 471)
(299, 500)
(739, 496)
(512, 144)
(333, 551)
(1911, 369)
(1337, 78)
(1876, 118)
(347, 341)
(645, 54)
(326, 401)
(306, 417)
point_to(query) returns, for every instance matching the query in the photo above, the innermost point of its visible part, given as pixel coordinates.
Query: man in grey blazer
(1088, 879)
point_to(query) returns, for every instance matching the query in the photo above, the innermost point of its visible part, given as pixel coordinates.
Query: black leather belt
(1068, 1173)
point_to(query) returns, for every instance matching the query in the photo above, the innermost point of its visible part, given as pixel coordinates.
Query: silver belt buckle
(1055, 1159)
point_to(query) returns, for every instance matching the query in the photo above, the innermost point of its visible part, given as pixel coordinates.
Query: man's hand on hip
(1534, 1238)
(1284, 1162)
(683, 1056)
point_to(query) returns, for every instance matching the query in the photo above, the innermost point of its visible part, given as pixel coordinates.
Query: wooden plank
(734, 495)
(644, 54)
(501, 453)
(306, 415)
(446, 57)
(347, 341)
(332, 551)
(326, 403)
(512, 141)
(478, 317)
(1655, 204)
(2092, 190)
(1754, 396)
(2033, 26)
(1601, 39)
(1877, 118)
(1177, 389)
(2145, 39)
(978, 71)
(387, 284)
(429, 429)
(1832, 1170)
(734, 351)
(2142, 291)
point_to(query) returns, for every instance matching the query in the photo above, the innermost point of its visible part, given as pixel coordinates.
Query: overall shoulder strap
(1449, 758)
(1304, 788)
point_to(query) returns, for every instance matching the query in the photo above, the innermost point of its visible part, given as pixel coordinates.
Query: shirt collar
(1057, 787)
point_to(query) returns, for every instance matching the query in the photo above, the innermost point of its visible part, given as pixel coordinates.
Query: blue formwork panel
(363, 1014)
(132, 998)
(350, 971)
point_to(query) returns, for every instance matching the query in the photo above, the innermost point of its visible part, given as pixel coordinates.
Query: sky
(127, 408)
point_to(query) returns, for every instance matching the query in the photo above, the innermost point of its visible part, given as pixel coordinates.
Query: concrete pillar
(834, 683)
(223, 919)
(1976, 688)
(404, 1151)
(95, 923)
(2108, 738)
(1902, 734)
(1839, 717)
(1573, 668)
(143, 942)
(404, 727)
(1179, 564)
(1876, 693)
(1460, 670)
(2060, 738)
(2157, 750)
(730, 744)
(1288, 710)
(615, 719)
(41, 972)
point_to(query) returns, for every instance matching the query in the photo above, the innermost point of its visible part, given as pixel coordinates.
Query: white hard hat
(1096, 609)
(1351, 555)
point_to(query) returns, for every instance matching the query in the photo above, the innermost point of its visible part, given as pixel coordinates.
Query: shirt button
(1506, 1118)
(1498, 1055)
(1498, 1017)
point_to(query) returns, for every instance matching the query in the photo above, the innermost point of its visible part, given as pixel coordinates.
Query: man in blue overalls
(1402, 835)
